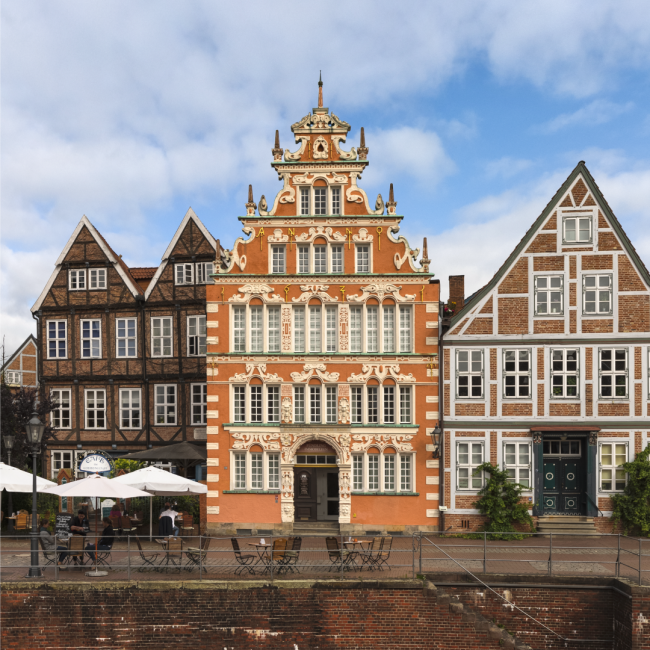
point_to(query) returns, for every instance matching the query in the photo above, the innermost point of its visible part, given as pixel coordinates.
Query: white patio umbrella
(96, 486)
(13, 479)
(158, 482)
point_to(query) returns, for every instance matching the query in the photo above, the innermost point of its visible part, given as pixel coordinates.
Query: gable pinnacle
(391, 204)
(251, 206)
(362, 150)
(425, 261)
(320, 90)
(277, 151)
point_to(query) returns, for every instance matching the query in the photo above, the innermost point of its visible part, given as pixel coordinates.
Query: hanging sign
(96, 462)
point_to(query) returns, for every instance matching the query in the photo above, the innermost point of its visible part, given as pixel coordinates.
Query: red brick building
(20, 370)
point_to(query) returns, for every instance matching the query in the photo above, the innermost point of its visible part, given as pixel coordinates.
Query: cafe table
(351, 546)
(169, 555)
(263, 555)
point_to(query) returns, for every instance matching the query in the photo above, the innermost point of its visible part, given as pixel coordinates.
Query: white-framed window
(389, 328)
(304, 200)
(612, 456)
(357, 473)
(77, 279)
(406, 473)
(469, 455)
(57, 339)
(389, 472)
(239, 393)
(199, 403)
(315, 342)
(517, 369)
(356, 404)
(377, 472)
(613, 372)
(130, 408)
(373, 472)
(126, 332)
(315, 404)
(239, 329)
(274, 329)
(91, 339)
(240, 471)
(405, 405)
(372, 328)
(331, 405)
(469, 374)
(388, 404)
(203, 272)
(161, 336)
(372, 404)
(549, 295)
(565, 369)
(165, 404)
(405, 329)
(577, 229)
(61, 460)
(331, 328)
(95, 404)
(517, 462)
(279, 259)
(272, 403)
(257, 471)
(196, 336)
(60, 417)
(320, 200)
(597, 294)
(362, 258)
(303, 259)
(337, 259)
(12, 377)
(273, 464)
(320, 259)
(184, 273)
(256, 404)
(299, 404)
(336, 200)
(356, 328)
(257, 329)
(299, 329)
(96, 279)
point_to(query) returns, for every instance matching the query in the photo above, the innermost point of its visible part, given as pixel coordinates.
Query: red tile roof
(143, 272)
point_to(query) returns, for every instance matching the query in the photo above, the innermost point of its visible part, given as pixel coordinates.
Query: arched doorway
(316, 483)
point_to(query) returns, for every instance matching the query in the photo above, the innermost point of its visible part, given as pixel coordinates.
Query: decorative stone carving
(379, 205)
(315, 290)
(265, 440)
(297, 155)
(344, 513)
(261, 290)
(363, 236)
(287, 415)
(593, 437)
(287, 511)
(233, 257)
(321, 231)
(285, 439)
(263, 206)
(344, 440)
(277, 236)
(343, 155)
(285, 328)
(344, 328)
(320, 148)
(344, 410)
(401, 442)
(261, 372)
(286, 189)
(344, 484)
(537, 438)
(380, 371)
(350, 191)
(287, 483)
(381, 290)
(319, 368)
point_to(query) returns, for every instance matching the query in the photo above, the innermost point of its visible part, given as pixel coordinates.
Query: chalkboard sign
(62, 525)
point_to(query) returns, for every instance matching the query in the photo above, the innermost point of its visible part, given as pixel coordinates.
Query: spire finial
(363, 150)
(276, 151)
(320, 90)
(391, 194)
(425, 256)
(251, 206)
(391, 204)
(250, 193)
(363, 138)
(277, 139)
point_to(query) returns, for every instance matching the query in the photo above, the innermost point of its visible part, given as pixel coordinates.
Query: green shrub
(632, 508)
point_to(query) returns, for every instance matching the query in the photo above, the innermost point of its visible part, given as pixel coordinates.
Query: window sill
(385, 494)
(546, 316)
(250, 492)
(324, 354)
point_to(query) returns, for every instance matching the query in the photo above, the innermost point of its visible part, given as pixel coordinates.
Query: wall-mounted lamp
(436, 438)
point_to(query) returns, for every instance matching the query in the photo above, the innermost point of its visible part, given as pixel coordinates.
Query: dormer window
(185, 274)
(577, 229)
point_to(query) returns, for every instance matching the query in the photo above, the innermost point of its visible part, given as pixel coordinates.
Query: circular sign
(570, 476)
(549, 476)
(95, 463)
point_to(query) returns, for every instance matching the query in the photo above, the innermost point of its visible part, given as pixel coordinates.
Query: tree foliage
(127, 465)
(632, 508)
(501, 503)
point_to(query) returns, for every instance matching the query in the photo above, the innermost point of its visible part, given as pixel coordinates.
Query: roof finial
(276, 151)
(363, 150)
(320, 90)
(425, 261)
(250, 193)
(391, 204)
(251, 206)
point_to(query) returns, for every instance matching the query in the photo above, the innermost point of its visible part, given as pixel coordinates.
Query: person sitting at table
(172, 514)
(49, 541)
(115, 511)
(106, 540)
(79, 526)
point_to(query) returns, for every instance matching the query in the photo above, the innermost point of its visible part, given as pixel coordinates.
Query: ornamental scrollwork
(268, 441)
(400, 442)
(261, 290)
(381, 290)
(321, 231)
(310, 368)
(315, 291)
(261, 372)
(381, 371)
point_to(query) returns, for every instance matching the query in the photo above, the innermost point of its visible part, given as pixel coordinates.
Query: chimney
(456, 292)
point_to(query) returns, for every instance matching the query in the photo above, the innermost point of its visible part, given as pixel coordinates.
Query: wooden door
(562, 486)
(304, 499)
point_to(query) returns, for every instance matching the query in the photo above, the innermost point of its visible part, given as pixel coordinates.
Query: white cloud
(597, 112)
(506, 167)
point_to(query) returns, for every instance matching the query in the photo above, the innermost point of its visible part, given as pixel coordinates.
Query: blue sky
(131, 112)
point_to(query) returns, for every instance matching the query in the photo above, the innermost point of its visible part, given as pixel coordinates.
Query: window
(299, 404)
(240, 471)
(12, 377)
(77, 279)
(516, 461)
(612, 476)
(130, 408)
(577, 230)
(57, 340)
(337, 259)
(320, 259)
(256, 403)
(161, 337)
(196, 340)
(199, 403)
(564, 373)
(469, 455)
(203, 272)
(304, 200)
(363, 259)
(165, 404)
(549, 295)
(372, 329)
(389, 405)
(320, 200)
(60, 416)
(61, 460)
(314, 405)
(331, 329)
(127, 330)
(331, 411)
(357, 473)
(314, 329)
(561, 447)
(273, 403)
(240, 403)
(356, 407)
(274, 471)
(91, 339)
(469, 373)
(257, 472)
(95, 409)
(185, 274)
(257, 329)
(389, 472)
(405, 474)
(373, 472)
(405, 405)
(389, 329)
(516, 373)
(613, 372)
(299, 329)
(372, 404)
(355, 329)
(97, 279)
(279, 262)
(597, 294)
(274, 329)
(336, 200)
(239, 329)
(405, 328)
(303, 259)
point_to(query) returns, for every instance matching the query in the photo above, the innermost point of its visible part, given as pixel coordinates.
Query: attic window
(185, 274)
(77, 279)
(97, 279)
(577, 229)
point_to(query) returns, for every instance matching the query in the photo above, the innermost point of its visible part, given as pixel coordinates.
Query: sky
(130, 113)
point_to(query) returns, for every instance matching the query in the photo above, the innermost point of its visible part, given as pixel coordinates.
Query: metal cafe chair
(187, 525)
(243, 559)
(338, 557)
(75, 549)
(278, 553)
(197, 556)
(370, 557)
(49, 555)
(291, 555)
(148, 557)
(173, 554)
(384, 554)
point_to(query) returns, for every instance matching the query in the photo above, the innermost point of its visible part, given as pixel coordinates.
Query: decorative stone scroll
(268, 441)
(354, 194)
(380, 371)
(277, 237)
(343, 155)
(315, 291)
(320, 148)
(261, 373)
(344, 410)
(297, 155)
(363, 236)
(321, 231)
(287, 410)
(261, 290)
(410, 254)
(381, 290)
(344, 328)
(310, 368)
(401, 442)
(287, 194)
(285, 328)
(233, 257)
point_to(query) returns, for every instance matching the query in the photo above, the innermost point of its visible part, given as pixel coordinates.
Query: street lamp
(34, 430)
(9, 440)
(436, 438)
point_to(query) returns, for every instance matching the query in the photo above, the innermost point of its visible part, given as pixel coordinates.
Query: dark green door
(562, 486)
